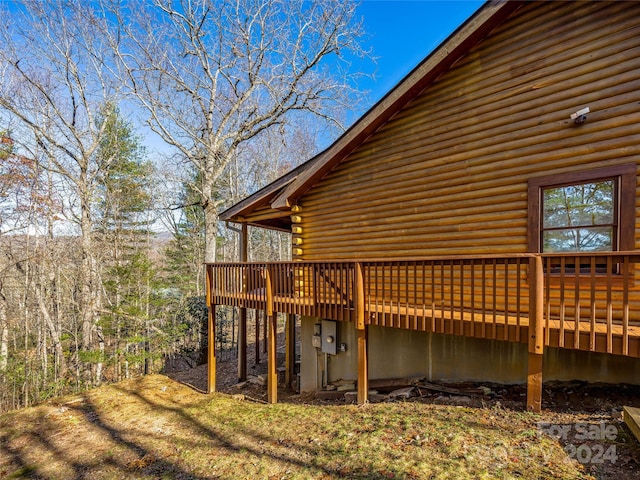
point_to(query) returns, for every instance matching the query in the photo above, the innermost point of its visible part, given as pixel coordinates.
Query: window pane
(579, 205)
(593, 239)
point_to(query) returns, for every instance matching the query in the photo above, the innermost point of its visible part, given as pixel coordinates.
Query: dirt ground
(585, 418)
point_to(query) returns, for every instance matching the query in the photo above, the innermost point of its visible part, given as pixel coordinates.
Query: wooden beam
(631, 417)
(272, 372)
(361, 328)
(272, 319)
(242, 345)
(290, 349)
(259, 314)
(534, 383)
(359, 296)
(242, 324)
(536, 334)
(211, 339)
(211, 351)
(363, 367)
(265, 328)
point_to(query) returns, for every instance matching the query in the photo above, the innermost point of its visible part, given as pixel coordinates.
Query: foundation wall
(396, 353)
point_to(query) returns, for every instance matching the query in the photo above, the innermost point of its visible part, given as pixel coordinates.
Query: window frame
(624, 175)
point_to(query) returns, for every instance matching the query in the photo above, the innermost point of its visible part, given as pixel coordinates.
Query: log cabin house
(480, 222)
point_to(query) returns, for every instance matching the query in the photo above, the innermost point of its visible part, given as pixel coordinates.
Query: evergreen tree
(185, 251)
(124, 211)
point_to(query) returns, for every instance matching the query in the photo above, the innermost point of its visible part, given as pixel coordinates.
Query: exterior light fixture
(580, 116)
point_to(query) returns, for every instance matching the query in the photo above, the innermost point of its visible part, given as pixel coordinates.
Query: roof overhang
(285, 192)
(240, 211)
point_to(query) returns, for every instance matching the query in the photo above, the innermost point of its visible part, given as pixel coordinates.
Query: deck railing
(589, 301)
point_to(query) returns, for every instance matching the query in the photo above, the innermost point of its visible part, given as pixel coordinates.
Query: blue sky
(403, 32)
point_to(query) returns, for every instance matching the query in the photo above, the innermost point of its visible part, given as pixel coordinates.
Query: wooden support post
(211, 338)
(259, 314)
(272, 334)
(242, 324)
(272, 371)
(536, 334)
(361, 327)
(242, 345)
(534, 383)
(363, 368)
(265, 328)
(290, 349)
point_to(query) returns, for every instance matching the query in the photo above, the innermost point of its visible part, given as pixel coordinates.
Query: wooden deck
(483, 297)
(526, 298)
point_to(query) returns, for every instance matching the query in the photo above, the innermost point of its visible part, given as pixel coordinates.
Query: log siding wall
(448, 174)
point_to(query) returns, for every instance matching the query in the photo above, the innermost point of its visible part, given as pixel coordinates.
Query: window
(590, 211)
(579, 218)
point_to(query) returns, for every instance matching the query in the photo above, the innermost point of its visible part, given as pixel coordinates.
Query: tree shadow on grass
(245, 441)
(44, 450)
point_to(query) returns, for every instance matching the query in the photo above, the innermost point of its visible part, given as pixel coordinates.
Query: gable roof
(284, 192)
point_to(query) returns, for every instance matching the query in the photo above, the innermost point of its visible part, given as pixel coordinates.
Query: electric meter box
(316, 340)
(329, 337)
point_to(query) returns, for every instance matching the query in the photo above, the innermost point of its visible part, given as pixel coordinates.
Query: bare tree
(213, 75)
(54, 78)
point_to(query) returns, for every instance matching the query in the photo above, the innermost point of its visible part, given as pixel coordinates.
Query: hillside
(155, 427)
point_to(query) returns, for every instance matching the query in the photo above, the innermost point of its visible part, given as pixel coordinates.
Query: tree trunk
(99, 365)
(4, 337)
(210, 232)
(54, 332)
(90, 285)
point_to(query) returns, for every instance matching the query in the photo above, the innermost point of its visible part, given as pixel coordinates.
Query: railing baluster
(462, 309)
(609, 308)
(423, 321)
(323, 298)
(505, 335)
(433, 296)
(576, 296)
(395, 295)
(518, 297)
(337, 291)
(494, 299)
(374, 267)
(484, 298)
(563, 265)
(405, 267)
(415, 295)
(625, 305)
(547, 301)
(441, 297)
(349, 270)
(473, 298)
(383, 281)
(592, 326)
(451, 300)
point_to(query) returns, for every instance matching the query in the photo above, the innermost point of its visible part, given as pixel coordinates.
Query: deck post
(242, 324)
(363, 368)
(272, 319)
(259, 314)
(536, 334)
(242, 345)
(211, 338)
(265, 327)
(290, 349)
(361, 327)
(272, 371)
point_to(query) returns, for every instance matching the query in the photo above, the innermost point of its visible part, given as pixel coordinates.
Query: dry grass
(154, 427)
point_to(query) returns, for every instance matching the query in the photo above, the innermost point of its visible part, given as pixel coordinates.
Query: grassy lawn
(154, 427)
